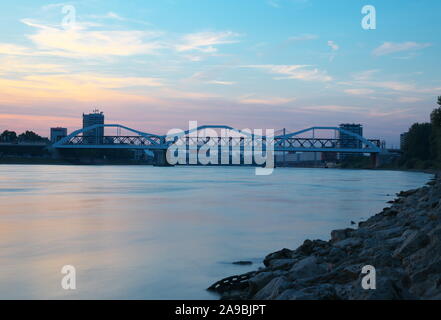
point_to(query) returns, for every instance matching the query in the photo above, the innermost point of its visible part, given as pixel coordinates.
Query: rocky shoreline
(402, 243)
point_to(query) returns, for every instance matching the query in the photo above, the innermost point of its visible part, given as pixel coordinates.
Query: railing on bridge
(293, 142)
(112, 141)
(324, 143)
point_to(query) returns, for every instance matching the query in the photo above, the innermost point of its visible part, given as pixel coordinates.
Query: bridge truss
(238, 140)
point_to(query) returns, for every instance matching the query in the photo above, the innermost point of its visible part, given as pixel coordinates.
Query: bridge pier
(375, 160)
(160, 159)
(54, 152)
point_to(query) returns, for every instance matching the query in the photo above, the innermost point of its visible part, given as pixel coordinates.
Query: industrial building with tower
(94, 136)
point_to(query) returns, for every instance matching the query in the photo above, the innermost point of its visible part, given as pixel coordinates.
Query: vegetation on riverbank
(27, 136)
(421, 150)
(422, 143)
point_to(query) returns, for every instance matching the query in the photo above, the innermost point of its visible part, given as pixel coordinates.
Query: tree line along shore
(421, 150)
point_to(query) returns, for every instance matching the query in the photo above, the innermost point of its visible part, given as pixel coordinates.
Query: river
(141, 232)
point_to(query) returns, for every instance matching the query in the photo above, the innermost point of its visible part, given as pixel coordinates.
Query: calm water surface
(140, 232)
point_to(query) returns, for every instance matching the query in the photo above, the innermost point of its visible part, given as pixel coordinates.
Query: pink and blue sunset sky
(155, 65)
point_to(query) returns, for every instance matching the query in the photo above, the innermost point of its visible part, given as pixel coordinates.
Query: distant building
(348, 141)
(58, 133)
(94, 136)
(293, 157)
(403, 139)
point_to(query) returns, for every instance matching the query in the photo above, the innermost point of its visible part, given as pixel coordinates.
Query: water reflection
(155, 233)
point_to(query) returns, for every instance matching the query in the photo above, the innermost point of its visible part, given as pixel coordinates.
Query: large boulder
(273, 289)
(282, 254)
(415, 241)
(338, 235)
(307, 268)
(349, 243)
(319, 292)
(281, 263)
(260, 280)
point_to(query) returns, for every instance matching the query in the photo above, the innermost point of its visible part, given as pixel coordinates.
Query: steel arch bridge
(293, 142)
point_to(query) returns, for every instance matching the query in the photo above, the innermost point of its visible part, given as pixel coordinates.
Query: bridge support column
(160, 158)
(375, 160)
(54, 152)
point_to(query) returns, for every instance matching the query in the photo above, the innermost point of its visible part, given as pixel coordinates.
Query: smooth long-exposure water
(141, 232)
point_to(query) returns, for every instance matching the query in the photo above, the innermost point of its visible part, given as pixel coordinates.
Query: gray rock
(295, 294)
(336, 254)
(309, 247)
(306, 268)
(386, 290)
(260, 280)
(344, 274)
(338, 235)
(391, 284)
(242, 263)
(407, 193)
(320, 292)
(435, 235)
(281, 263)
(348, 243)
(362, 233)
(273, 289)
(414, 242)
(282, 254)
(390, 233)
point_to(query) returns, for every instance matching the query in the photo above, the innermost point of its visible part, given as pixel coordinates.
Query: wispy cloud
(274, 3)
(81, 42)
(206, 41)
(331, 108)
(77, 87)
(393, 85)
(84, 41)
(108, 15)
(223, 83)
(52, 6)
(266, 101)
(15, 50)
(366, 81)
(213, 75)
(16, 65)
(116, 17)
(360, 91)
(365, 75)
(409, 99)
(298, 72)
(393, 47)
(333, 45)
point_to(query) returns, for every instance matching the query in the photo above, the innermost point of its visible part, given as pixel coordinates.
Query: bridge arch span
(180, 134)
(372, 146)
(74, 134)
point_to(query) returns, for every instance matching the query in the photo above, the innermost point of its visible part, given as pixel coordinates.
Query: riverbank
(403, 243)
(67, 162)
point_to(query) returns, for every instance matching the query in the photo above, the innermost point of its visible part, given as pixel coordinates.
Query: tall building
(58, 133)
(348, 141)
(403, 140)
(94, 136)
